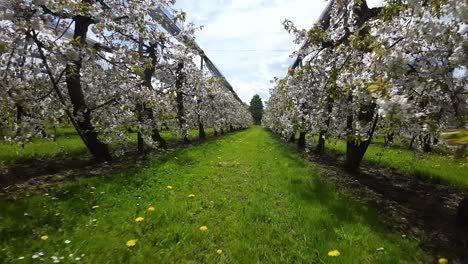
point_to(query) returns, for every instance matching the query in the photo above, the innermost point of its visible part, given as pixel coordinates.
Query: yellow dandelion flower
(191, 195)
(95, 206)
(44, 237)
(203, 228)
(334, 253)
(169, 187)
(131, 243)
(151, 209)
(219, 251)
(139, 219)
(443, 261)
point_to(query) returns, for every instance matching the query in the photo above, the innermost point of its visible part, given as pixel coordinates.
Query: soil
(408, 205)
(43, 175)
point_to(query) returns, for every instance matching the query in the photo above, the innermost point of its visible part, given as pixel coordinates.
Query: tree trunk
(180, 79)
(222, 131)
(201, 131)
(155, 135)
(149, 72)
(354, 154)
(19, 118)
(355, 149)
(320, 149)
(412, 142)
(140, 142)
(388, 139)
(462, 212)
(81, 112)
(426, 141)
(301, 143)
(215, 133)
(292, 138)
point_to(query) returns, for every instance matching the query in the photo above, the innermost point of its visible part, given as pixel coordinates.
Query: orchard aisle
(244, 198)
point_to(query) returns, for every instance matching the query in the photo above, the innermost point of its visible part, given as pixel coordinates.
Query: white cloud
(246, 38)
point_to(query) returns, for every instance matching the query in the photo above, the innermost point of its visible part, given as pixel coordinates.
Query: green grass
(436, 167)
(67, 144)
(260, 202)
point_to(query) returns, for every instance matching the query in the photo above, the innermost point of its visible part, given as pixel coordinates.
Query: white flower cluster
(107, 67)
(402, 65)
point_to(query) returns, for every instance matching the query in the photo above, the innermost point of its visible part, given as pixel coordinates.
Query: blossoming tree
(106, 66)
(399, 68)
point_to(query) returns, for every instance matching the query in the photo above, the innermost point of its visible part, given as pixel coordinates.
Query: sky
(246, 38)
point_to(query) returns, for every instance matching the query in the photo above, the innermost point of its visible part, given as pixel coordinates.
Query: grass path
(259, 202)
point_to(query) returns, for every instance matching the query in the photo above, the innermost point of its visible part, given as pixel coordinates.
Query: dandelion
(57, 214)
(219, 251)
(169, 187)
(443, 261)
(151, 209)
(35, 256)
(95, 206)
(21, 258)
(203, 228)
(131, 243)
(44, 237)
(67, 241)
(77, 258)
(91, 192)
(191, 195)
(102, 192)
(403, 236)
(139, 219)
(93, 188)
(334, 253)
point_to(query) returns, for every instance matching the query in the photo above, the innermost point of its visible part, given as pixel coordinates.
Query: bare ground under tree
(407, 204)
(42, 175)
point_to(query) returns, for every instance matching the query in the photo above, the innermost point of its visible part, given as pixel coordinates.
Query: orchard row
(397, 70)
(107, 67)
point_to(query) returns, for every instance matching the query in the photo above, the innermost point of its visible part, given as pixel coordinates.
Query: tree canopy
(398, 69)
(256, 108)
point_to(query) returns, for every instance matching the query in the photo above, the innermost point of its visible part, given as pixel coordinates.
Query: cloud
(246, 38)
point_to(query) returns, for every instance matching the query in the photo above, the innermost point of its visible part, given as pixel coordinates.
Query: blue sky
(246, 38)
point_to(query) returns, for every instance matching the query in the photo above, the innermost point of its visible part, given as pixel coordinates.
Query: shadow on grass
(340, 206)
